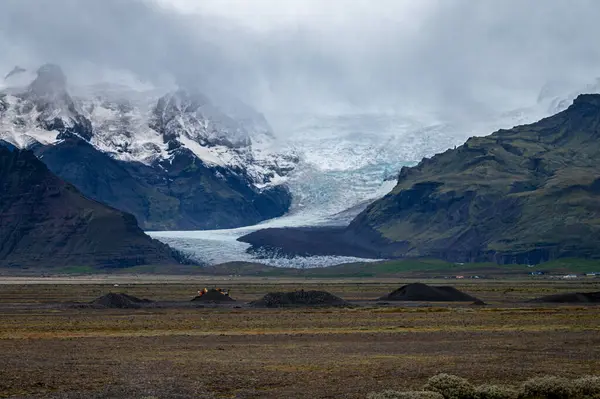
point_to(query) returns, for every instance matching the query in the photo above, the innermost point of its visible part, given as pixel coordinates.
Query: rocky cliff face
(48, 223)
(524, 195)
(175, 161)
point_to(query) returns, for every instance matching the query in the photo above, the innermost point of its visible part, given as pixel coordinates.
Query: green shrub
(495, 392)
(547, 387)
(389, 394)
(450, 386)
(447, 386)
(588, 386)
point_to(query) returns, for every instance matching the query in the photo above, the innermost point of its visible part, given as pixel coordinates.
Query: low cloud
(451, 57)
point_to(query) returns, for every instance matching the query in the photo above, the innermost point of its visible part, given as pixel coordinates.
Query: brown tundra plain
(53, 344)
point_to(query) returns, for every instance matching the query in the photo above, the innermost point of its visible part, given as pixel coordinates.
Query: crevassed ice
(346, 163)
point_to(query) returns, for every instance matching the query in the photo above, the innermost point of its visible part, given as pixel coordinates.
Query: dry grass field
(49, 349)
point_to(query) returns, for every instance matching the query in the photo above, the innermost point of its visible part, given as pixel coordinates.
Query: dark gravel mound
(424, 292)
(298, 298)
(306, 241)
(573, 297)
(122, 301)
(214, 296)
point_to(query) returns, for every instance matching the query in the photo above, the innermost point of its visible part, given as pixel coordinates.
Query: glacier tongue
(345, 163)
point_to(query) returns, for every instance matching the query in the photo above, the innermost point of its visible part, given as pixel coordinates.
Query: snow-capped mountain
(41, 112)
(174, 160)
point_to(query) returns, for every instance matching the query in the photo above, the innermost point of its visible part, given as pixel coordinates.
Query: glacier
(345, 162)
(333, 164)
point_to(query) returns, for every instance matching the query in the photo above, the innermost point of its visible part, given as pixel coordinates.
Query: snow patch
(19, 126)
(205, 154)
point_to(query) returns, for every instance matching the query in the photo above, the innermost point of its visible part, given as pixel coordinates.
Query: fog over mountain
(454, 57)
(353, 91)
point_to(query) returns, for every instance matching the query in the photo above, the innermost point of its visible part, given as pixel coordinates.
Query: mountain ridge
(156, 145)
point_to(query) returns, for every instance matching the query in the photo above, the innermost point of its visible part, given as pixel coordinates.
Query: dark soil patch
(424, 292)
(298, 298)
(214, 296)
(573, 297)
(123, 301)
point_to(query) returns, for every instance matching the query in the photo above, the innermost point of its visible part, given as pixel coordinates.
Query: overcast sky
(451, 56)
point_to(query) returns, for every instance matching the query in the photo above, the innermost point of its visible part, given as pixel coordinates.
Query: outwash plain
(53, 344)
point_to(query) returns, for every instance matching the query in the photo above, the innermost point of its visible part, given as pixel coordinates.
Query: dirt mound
(123, 301)
(424, 292)
(298, 298)
(572, 297)
(214, 296)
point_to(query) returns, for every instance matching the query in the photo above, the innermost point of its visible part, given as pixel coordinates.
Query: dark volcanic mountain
(175, 161)
(527, 195)
(45, 222)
